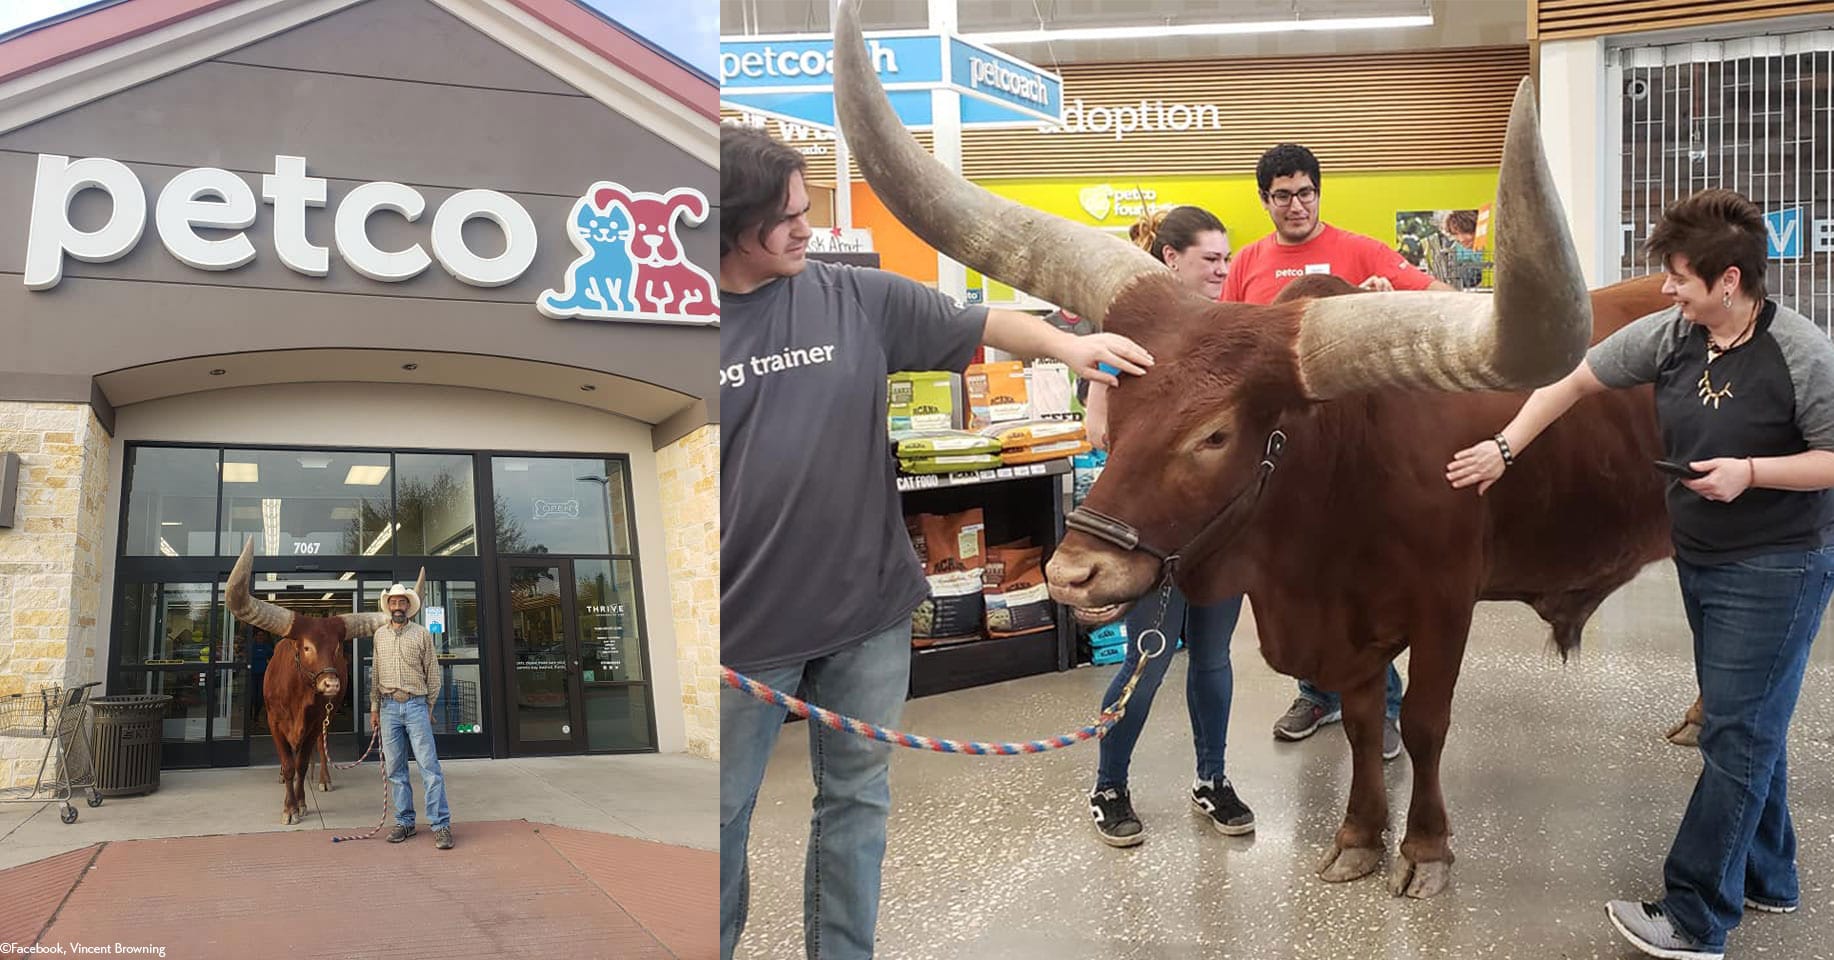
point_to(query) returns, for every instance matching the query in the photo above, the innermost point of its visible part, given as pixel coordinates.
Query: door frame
(576, 694)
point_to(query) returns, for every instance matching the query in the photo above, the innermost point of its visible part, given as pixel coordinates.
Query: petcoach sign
(633, 266)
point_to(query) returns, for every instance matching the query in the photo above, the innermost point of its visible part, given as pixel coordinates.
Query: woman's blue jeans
(1753, 621)
(1209, 683)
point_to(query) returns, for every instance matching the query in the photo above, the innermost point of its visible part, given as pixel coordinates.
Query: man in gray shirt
(818, 577)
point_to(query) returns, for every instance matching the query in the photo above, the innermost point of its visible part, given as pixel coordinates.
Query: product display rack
(1022, 501)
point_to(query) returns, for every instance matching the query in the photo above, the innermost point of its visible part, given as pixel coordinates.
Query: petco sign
(655, 282)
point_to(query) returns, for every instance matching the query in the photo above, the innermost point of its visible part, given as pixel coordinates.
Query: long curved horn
(363, 624)
(244, 607)
(1532, 331)
(1077, 267)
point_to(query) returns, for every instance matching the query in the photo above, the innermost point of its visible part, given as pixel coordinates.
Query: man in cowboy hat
(401, 704)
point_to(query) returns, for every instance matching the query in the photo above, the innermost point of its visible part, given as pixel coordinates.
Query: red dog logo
(632, 266)
(667, 283)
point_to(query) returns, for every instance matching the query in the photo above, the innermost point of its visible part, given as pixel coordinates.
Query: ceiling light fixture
(366, 476)
(1163, 30)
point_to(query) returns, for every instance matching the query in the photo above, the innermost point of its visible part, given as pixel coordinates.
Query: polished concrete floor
(1561, 790)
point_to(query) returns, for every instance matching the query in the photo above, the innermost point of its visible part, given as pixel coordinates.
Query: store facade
(337, 279)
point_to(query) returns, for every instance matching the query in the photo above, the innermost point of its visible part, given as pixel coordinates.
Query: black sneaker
(1113, 810)
(1227, 813)
(400, 833)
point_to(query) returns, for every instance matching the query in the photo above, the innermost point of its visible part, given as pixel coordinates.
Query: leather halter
(1119, 533)
(300, 665)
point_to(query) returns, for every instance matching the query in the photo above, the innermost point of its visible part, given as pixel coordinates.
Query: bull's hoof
(1346, 864)
(287, 819)
(1418, 880)
(1685, 735)
(326, 787)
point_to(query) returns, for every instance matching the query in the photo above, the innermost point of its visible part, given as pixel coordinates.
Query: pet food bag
(996, 393)
(950, 463)
(1022, 601)
(953, 549)
(1027, 433)
(917, 444)
(1040, 452)
(1050, 386)
(923, 400)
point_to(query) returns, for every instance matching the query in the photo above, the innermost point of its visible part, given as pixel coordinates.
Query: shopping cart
(54, 715)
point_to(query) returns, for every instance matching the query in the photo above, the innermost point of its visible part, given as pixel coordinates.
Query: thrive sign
(636, 244)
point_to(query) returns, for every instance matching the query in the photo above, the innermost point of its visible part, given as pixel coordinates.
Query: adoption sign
(632, 265)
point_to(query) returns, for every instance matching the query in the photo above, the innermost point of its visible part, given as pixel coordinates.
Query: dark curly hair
(1286, 160)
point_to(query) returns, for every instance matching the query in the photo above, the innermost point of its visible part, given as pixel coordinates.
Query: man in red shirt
(1302, 244)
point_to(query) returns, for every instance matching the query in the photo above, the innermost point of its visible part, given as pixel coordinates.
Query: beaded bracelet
(1509, 458)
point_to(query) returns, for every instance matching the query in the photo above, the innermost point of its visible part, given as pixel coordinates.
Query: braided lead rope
(1108, 718)
(375, 738)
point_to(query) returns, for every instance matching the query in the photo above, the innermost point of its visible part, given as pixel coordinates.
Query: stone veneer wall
(51, 560)
(689, 470)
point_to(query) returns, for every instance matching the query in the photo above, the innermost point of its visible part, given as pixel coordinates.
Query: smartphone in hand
(1680, 470)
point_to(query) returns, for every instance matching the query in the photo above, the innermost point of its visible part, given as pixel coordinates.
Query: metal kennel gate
(1754, 115)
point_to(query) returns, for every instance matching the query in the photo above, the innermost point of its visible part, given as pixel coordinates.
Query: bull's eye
(1219, 438)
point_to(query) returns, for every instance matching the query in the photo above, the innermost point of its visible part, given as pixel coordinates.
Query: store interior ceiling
(1456, 24)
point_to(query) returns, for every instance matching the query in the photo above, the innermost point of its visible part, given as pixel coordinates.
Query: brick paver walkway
(509, 889)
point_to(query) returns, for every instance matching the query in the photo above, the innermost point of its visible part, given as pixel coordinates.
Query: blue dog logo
(631, 264)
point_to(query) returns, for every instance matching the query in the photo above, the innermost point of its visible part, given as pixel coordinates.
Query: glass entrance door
(544, 689)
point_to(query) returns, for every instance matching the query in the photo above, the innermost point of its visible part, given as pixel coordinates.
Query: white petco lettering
(220, 200)
(983, 72)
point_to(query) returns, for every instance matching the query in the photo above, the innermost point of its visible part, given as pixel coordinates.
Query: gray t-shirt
(1771, 396)
(814, 556)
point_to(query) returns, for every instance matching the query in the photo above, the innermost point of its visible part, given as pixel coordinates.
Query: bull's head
(320, 640)
(1189, 438)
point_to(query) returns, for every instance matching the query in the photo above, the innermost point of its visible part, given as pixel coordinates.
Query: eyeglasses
(1281, 198)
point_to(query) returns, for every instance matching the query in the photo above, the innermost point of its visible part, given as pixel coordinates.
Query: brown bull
(1296, 452)
(305, 678)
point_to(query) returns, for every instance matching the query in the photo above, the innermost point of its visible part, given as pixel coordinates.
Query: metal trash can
(127, 743)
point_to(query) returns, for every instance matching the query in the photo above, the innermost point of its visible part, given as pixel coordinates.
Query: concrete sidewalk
(670, 799)
(578, 857)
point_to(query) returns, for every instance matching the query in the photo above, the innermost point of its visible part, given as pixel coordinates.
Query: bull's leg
(287, 760)
(1357, 850)
(324, 768)
(296, 789)
(1425, 862)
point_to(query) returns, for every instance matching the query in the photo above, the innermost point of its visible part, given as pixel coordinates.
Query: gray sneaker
(1651, 931)
(1391, 738)
(1303, 719)
(442, 838)
(400, 833)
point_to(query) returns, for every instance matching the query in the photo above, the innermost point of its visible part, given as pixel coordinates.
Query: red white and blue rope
(1106, 721)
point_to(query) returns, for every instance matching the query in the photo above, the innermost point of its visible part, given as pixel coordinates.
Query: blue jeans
(1209, 684)
(1753, 621)
(1331, 701)
(404, 725)
(840, 887)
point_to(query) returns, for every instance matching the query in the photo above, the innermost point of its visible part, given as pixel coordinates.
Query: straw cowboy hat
(402, 590)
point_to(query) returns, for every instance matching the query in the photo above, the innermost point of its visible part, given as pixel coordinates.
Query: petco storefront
(379, 286)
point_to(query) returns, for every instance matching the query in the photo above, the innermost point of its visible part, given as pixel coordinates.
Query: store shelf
(972, 663)
(935, 481)
(1025, 501)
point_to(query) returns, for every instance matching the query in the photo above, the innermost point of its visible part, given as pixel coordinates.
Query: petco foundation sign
(633, 267)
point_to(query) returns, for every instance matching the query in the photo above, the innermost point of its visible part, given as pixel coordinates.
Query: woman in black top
(1745, 399)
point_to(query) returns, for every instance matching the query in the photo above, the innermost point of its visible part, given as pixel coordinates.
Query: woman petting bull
(1745, 401)
(1194, 244)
